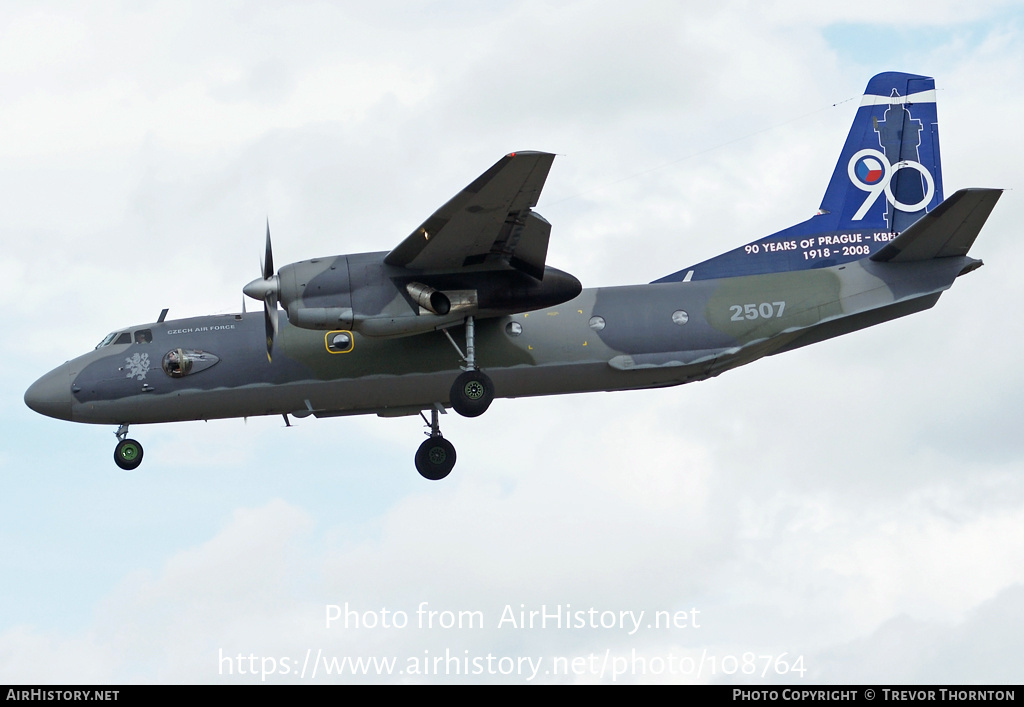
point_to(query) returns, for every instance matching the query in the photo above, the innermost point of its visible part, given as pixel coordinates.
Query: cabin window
(513, 328)
(680, 317)
(597, 323)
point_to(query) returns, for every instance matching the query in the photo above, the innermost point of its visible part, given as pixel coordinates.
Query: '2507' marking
(765, 310)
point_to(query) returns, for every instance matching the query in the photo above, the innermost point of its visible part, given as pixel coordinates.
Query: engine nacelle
(361, 293)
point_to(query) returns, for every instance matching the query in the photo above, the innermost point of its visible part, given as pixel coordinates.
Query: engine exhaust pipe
(432, 300)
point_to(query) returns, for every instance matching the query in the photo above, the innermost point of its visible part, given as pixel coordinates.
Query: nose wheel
(128, 452)
(435, 458)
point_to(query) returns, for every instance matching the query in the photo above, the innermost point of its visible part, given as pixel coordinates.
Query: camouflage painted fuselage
(613, 338)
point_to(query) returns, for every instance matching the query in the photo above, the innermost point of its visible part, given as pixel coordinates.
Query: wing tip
(529, 153)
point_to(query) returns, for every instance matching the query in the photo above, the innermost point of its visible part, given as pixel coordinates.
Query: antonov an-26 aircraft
(466, 309)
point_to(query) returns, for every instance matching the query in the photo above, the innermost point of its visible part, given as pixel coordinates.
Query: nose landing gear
(128, 452)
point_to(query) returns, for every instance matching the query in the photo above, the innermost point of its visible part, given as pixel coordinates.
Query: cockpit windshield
(115, 337)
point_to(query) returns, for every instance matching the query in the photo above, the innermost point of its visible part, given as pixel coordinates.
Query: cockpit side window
(124, 338)
(143, 336)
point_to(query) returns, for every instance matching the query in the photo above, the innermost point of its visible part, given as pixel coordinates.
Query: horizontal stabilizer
(948, 230)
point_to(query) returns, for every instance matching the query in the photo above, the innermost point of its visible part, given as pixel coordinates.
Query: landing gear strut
(436, 456)
(472, 392)
(128, 452)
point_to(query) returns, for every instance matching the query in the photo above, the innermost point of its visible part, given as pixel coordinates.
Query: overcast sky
(857, 504)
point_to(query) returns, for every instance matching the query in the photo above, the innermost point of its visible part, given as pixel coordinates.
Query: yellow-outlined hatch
(339, 341)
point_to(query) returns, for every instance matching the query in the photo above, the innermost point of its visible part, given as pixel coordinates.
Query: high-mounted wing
(487, 223)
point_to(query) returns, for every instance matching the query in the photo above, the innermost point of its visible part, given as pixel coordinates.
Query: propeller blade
(269, 325)
(271, 309)
(268, 261)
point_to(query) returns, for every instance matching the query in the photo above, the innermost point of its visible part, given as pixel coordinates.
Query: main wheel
(472, 393)
(128, 454)
(435, 458)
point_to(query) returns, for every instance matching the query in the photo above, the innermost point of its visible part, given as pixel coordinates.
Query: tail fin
(888, 176)
(892, 149)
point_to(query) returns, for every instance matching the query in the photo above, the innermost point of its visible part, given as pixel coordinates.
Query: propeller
(267, 289)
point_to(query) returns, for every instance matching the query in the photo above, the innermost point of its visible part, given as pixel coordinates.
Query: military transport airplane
(413, 330)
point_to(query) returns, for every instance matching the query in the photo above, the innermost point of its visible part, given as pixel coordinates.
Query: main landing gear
(128, 452)
(470, 395)
(472, 392)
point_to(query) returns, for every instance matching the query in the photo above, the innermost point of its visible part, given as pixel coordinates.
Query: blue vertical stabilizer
(888, 176)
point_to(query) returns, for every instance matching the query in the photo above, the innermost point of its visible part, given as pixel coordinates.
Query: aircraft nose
(51, 394)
